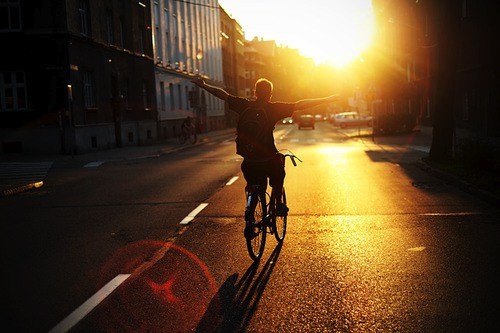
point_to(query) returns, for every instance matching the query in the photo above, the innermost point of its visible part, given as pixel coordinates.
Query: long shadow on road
(233, 306)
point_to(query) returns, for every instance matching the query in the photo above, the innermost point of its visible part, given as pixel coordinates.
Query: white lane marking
(232, 180)
(193, 214)
(424, 149)
(93, 164)
(417, 249)
(451, 214)
(90, 304)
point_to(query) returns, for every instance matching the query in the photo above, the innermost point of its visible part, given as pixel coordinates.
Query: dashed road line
(67, 323)
(94, 164)
(193, 214)
(232, 180)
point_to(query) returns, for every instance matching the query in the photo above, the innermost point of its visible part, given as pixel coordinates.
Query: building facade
(186, 43)
(233, 59)
(407, 63)
(81, 79)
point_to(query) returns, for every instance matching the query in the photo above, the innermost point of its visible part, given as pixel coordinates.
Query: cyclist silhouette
(187, 125)
(272, 165)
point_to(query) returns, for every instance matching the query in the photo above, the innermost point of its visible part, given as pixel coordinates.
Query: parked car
(350, 119)
(306, 120)
(287, 121)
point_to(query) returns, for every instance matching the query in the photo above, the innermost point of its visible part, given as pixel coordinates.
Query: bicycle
(264, 206)
(188, 134)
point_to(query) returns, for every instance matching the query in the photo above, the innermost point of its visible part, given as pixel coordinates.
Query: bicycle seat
(255, 188)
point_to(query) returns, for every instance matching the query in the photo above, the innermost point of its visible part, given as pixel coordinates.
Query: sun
(329, 31)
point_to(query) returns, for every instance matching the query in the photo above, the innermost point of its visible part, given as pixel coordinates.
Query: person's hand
(198, 81)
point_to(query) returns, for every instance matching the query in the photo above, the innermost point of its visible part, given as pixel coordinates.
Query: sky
(329, 31)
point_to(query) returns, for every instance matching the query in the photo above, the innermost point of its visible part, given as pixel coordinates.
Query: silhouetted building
(77, 75)
(406, 62)
(233, 59)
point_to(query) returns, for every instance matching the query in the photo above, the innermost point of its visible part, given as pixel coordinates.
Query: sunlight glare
(329, 31)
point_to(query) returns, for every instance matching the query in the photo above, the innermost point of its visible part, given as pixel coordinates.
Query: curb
(463, 185)
(22, 188)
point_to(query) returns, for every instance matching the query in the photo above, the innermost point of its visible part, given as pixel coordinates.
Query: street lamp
(195, 95)
(199, 56)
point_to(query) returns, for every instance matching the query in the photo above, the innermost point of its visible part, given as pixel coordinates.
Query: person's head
(263, 89)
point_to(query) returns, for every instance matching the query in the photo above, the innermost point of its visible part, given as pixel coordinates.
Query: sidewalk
(480, 183)
(421, 137)
(152, 150)
(12, 181)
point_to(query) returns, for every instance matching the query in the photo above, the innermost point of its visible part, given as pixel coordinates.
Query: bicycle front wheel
(257, 241)
(279, 222)
(182, 138)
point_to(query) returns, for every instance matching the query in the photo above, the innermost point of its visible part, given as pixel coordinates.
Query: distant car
(318, 117)
(305, 120)
(351, 119)
(287, 121)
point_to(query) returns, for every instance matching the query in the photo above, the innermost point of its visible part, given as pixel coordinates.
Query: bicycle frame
(263, 206)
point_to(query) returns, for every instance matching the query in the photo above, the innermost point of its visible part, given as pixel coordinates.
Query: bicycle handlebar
(292, 158)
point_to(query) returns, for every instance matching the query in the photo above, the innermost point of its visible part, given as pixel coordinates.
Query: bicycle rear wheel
(279, 222)
(193, 138)
(257, 243)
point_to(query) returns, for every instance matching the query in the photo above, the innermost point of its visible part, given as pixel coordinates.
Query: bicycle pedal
(249, 232)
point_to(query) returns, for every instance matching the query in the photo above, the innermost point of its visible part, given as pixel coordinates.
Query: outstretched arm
(309, 103)
(217, 92)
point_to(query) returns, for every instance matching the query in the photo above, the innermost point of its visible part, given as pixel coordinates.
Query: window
(171, 91)
(141, 39)
(122, 32)
(145, 99)
(168, 51)
(158, 45)
(167, 18)
(465, 12)
(468, 103)
(88, 90)
(162, 95)
(10, 15)
(187, 97)
(125, 95)
(157, 12)
(179, 91)
(12, 91)
(84, 11)
(109, 27)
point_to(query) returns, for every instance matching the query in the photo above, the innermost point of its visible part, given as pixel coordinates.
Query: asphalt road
(374, 244)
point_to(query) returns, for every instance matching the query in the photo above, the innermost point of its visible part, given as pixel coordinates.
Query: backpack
(252, 134)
